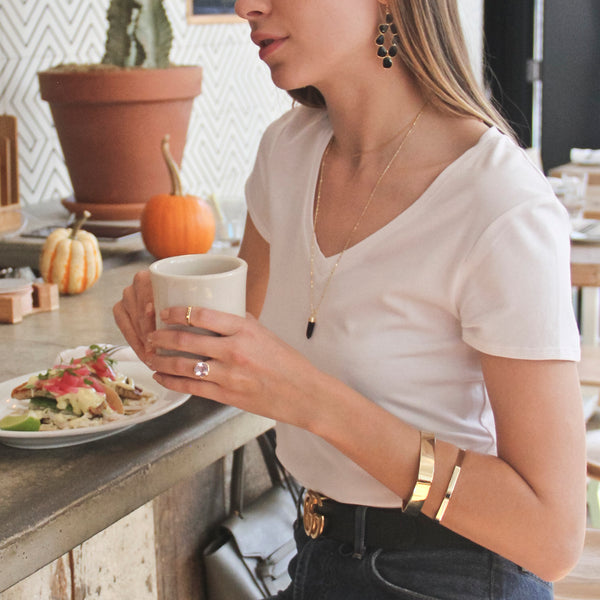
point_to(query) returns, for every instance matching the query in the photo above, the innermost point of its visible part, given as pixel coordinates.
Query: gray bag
(249, 557)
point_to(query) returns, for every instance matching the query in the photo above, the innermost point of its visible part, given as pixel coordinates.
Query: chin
(282, 78)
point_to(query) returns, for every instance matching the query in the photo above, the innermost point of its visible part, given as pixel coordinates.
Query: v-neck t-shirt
(479, 263)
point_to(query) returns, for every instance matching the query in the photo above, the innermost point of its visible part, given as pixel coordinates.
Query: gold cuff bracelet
(425, 476)
(451, 485)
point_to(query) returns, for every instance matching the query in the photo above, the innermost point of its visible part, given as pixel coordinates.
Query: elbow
(559, 534)
(558, 567)
(557, 558)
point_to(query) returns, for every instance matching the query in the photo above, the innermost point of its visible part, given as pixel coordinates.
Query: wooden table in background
(585, 273)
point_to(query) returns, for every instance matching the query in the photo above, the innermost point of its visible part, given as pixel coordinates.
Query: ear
(383, 6)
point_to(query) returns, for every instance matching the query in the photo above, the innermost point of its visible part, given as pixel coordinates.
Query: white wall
(237, 102)
(471, 13)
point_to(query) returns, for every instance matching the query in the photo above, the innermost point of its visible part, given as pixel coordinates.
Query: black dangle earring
(387, 53)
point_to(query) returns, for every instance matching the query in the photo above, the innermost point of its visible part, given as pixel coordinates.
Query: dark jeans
(326, 570)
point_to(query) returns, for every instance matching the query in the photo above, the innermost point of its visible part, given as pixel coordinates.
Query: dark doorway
(571, 79)
(570, 71)
(508, 29)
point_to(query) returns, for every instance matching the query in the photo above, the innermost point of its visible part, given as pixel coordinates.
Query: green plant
(139, 34)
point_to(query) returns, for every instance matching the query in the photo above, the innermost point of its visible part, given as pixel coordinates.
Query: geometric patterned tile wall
(237, 102)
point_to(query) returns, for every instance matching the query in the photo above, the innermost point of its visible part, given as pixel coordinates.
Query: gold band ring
(188, 315)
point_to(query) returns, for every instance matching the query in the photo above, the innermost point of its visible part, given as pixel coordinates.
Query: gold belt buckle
(313, 521)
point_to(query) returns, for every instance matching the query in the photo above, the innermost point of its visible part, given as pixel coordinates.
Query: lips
(268, 43)
(265, 43)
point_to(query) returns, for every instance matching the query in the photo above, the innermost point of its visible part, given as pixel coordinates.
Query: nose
(251, 9)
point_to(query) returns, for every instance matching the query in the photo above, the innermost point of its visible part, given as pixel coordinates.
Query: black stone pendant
(310, 328)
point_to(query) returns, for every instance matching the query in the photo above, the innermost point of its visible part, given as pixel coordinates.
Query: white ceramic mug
(212, 281)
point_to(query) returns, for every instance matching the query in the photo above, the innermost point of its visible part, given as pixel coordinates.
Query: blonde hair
(432, 47)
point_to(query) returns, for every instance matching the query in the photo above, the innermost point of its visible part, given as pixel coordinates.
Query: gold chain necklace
(312, 320)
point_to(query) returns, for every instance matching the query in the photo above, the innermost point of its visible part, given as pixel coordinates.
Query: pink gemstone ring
(201, 369)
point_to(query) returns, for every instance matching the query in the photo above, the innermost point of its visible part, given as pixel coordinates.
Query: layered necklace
(314, 306)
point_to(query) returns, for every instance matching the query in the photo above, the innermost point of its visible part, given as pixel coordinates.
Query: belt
(374, 527)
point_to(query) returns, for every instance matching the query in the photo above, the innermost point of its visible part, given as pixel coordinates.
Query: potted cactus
(111, 117)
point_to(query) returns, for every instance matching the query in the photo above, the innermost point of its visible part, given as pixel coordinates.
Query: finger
(205, 318)
(134, 313)
(181, 366)
(189, 376)
(144, 302)
(184, 385)
(138, 305)
(188, 341)
(128, 330)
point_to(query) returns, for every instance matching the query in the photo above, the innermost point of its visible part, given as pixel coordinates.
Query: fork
(110, 350)
(588, 227)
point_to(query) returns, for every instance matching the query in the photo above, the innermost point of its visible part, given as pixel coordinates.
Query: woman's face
(312, 42)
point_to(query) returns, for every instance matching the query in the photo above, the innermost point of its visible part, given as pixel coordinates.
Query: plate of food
(87, 394)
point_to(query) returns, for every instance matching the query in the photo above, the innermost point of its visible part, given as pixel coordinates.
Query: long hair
(432, 47)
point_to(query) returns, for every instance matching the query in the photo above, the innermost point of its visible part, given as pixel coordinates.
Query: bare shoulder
(465, 133)
(446, 137)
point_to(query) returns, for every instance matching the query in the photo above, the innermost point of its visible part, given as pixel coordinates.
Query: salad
(87, 391)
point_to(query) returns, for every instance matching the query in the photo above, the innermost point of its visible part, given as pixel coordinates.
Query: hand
(134, 313)
(249, 367)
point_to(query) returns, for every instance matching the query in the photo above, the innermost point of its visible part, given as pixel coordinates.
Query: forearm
(493, 504)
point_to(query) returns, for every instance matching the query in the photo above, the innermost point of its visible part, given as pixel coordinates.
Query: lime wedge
(19, 423)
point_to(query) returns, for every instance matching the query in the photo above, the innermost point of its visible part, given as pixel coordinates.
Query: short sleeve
(514, 295)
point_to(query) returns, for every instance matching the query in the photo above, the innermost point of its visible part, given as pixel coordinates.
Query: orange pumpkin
(174, 224)
(71, 258)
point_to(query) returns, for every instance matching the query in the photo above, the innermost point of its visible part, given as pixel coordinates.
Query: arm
(529, 499)
(255, 251)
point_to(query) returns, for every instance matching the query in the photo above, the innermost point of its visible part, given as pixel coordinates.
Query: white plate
(586, 231)
(166, 401)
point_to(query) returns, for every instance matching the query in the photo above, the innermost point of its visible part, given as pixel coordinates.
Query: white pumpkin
(71, 258)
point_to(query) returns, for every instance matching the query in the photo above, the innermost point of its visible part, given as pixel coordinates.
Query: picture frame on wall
(211, 11)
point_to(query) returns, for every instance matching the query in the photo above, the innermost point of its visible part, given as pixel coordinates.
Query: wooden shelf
(10, 215)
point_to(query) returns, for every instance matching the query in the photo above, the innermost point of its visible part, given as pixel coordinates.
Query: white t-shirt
(479, 263)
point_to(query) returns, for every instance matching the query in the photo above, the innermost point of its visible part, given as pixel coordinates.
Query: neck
(384, 116)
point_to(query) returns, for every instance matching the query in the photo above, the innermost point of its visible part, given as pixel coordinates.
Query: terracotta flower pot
(110, 123)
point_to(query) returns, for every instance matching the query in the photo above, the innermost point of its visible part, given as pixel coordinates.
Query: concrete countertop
(53, 500)
(20, 248)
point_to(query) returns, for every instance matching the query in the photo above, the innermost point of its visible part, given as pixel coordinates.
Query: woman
(411, 273)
